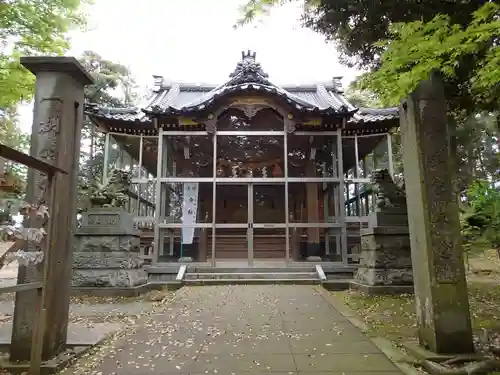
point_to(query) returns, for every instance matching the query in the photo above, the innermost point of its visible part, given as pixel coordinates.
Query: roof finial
(248, 70)
(248, 55)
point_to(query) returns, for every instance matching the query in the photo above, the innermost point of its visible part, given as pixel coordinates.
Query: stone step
(242, 246)
(250, 275)
(260, 270)
(252, 281)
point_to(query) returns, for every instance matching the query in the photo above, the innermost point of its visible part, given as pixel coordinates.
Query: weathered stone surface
(386, 258)
(385, 242)
(107, 221)
(99, 243)
(443, 317)
(107, 253)
(84, 260)
(384, 276)
(121, 278)
(130, 243)
(57, 120)
(391, 218)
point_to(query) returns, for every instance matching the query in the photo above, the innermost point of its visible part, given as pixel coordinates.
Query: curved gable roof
(248, 76)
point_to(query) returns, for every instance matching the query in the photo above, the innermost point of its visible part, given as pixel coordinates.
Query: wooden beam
(29, 161)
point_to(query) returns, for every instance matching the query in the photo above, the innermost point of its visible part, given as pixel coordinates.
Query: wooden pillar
(313, 237)
(57, 123)
(444, 324)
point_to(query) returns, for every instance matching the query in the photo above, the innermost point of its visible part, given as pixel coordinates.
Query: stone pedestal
(107, 253)
(385, 263)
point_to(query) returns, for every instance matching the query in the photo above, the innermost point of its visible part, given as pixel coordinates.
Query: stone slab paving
(82, 309)
(78, 334)
(227, 330)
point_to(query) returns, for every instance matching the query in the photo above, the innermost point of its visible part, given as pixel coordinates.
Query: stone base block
(106, 221)
(185, 260)
(372, 290)
(385, 257)
(384, 276)
(106, 243)
(121, 278)
(92, 260)
(394, 217)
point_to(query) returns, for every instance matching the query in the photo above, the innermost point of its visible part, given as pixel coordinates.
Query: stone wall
(107, 252)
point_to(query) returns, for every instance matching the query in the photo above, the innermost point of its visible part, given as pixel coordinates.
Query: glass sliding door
(184, 218)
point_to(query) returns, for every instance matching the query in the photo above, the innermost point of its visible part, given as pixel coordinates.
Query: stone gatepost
(106, 259)
(385, 264)
(55, 138)
(443, 318)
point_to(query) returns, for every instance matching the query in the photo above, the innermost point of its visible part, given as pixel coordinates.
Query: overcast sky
(193, 41)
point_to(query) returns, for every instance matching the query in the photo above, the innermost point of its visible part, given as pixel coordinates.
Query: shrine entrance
(250, 203)
(250, 221)
(249, 170)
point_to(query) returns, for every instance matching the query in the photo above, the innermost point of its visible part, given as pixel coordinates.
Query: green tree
(357, 25)
(12, 136)
(32, 27)
(482, 213)
(468, 57)
(360, 99)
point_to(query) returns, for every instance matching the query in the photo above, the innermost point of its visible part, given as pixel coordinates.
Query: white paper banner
(189, 210)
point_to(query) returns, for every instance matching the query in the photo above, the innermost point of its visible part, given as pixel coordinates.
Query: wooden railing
(39, 326)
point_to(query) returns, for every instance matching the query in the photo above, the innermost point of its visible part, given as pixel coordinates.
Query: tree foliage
(12, 136)
(400, 41)
(481, 214)
(467, 56)
(32, 27)
(358, 25)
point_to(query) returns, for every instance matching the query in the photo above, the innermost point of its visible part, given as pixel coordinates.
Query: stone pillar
(57, 123)
(107, 254)
(385, 264)
(444, 324)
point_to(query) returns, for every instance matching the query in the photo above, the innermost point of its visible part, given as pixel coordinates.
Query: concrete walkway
(241, 329)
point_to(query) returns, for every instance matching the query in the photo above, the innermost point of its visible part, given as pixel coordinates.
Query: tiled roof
(177, 99)
(119, 114)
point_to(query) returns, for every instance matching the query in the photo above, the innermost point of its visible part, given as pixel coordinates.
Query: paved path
(227, 330)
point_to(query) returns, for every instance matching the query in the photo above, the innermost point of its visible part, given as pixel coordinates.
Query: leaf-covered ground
(238, 329)
(394, 317)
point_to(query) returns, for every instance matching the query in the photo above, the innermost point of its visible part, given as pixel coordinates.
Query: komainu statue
(113, 193)
(388, 194)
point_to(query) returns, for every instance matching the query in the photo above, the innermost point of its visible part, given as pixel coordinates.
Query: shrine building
(247, 171)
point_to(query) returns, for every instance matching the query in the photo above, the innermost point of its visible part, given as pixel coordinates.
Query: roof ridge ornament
(248, 71)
